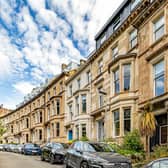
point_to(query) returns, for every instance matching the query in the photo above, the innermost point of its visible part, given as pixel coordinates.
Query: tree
(2, 130)
(147, 124)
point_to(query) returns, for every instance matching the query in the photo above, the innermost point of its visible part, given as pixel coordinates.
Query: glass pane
(116, 74)
(159, 86)
(127, 113)
(133, 42)
(116, 115)
(164, 164)
(127, 126)
(133, 34)
(156, 165)
(159, 33)
(159, 23)
(117, 128)
(117, 87)
(159, 68)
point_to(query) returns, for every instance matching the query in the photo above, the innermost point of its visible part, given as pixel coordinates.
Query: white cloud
(23, 87)
(36, 4)
(42, 51)
(11, 60)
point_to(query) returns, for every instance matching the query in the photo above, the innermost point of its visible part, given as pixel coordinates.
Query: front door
(161, 134)
(70, 135)
(100, 130)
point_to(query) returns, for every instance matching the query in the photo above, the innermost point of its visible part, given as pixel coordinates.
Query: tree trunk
(147, 147)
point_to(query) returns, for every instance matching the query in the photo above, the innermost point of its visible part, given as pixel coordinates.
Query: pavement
(13, 160)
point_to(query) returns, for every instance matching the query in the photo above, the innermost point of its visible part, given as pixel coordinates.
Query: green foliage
(132, 141)
(159, 151)
(84, 138)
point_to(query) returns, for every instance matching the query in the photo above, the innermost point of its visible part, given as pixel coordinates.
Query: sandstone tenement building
(104, 97)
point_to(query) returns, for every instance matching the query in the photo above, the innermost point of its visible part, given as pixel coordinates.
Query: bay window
(116, 81)
(159, 78)
(126, 76)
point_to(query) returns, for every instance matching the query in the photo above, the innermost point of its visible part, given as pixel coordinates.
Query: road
(13, 160)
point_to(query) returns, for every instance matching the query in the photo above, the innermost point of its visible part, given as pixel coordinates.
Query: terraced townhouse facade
(128, 69)
(104, 98)
(41, 118)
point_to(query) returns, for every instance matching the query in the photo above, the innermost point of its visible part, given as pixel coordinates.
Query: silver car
(159, 163)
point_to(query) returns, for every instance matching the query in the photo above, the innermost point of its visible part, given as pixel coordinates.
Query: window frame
(115, 122)
(84, 102)
(83, 126)
(126, 119)
(126, 76)
(100, 66)
(57, 126)
(133, 38)
(115, 52)
(116, 80)
(158, 76)
(159, 28)
(77, 105)
(100, 97)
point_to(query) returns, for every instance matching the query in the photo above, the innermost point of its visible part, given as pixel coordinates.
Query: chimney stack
(82, 61)
(63, 67)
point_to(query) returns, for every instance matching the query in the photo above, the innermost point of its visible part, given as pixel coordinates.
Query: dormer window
(103, 38)
(116, 23)
(134, 3)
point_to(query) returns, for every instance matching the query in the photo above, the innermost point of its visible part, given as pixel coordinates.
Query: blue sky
(37, 36)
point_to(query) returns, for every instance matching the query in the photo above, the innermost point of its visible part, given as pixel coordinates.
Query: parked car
(1, 147)
(31, 149)
(159, 163)
(6, 146)
(19, 148)
(94, 155)
(54, 152)
(12, 147)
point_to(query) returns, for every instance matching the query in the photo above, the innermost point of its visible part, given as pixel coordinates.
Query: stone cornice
(120, 57)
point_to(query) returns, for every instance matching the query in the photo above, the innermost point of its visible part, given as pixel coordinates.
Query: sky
(37, 36)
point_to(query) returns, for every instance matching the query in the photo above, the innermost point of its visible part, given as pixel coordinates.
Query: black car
(94, 155)
(159, 163)
(54, 152)
(31, 149)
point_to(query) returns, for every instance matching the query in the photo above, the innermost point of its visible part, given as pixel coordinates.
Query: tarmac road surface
(13, 160)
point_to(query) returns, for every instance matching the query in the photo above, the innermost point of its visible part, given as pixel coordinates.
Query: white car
(1, 147)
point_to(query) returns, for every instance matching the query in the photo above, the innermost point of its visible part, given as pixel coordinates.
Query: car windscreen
(66, 146)
(96, 147)
(57, 146)
(31, 146)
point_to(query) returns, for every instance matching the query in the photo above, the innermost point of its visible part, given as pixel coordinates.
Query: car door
(46, 150)
(160, 164)
(77, 154)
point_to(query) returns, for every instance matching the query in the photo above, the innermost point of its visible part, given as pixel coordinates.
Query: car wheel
(84, 165)
(67, 166)
(42, 157)
(52, 159)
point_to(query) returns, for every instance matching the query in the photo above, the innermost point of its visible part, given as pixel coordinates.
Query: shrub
(159, 151)
(132, 141)
(84, 138)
